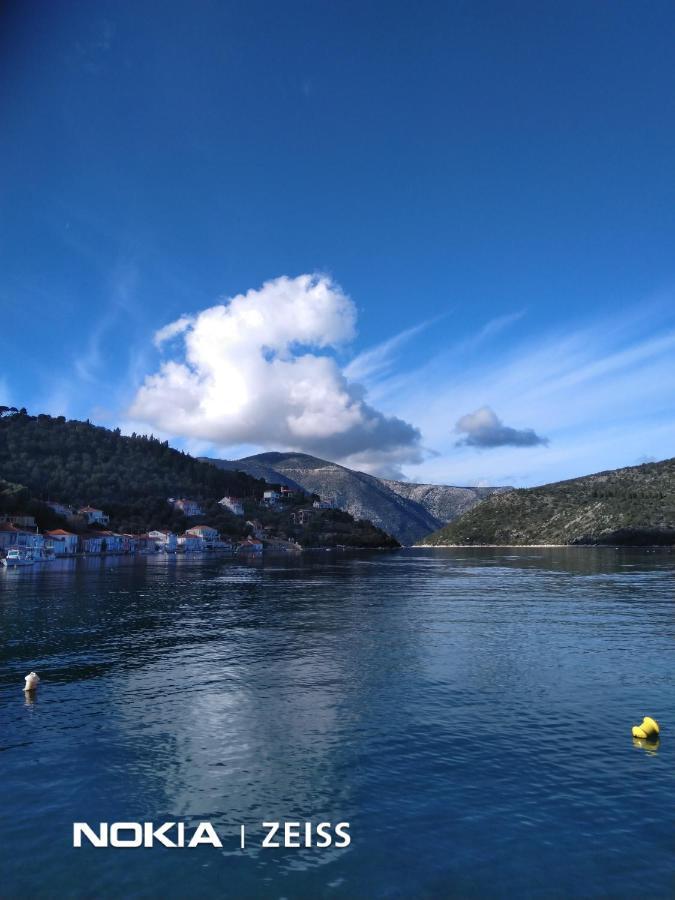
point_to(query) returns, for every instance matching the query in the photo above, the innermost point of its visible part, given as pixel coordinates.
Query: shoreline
(531, 546)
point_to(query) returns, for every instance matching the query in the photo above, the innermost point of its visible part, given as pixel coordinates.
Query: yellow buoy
(648, 730)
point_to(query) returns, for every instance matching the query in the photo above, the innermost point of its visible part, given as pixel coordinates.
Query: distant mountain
(406, 511)
(443, 502)
(635, 505)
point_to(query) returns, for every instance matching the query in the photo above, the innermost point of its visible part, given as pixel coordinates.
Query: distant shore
(531, 546)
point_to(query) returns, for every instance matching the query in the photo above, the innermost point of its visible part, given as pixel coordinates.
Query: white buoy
(32, 681)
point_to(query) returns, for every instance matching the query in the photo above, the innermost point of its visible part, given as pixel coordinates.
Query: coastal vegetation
(634, 505)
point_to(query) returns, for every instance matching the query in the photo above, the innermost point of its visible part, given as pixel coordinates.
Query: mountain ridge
(407, 511)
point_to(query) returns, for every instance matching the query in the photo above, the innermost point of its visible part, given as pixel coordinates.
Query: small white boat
(17, 557)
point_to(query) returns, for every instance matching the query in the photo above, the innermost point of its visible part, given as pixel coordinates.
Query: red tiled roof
(61, 531)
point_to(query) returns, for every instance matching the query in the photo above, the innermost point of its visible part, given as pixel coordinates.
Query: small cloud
(484, 428)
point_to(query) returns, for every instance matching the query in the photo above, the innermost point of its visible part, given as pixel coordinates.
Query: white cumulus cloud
(258, 369)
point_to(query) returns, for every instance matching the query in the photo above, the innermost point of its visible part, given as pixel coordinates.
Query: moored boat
(17, 557)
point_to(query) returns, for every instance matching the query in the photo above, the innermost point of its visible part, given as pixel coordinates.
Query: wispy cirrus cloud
(601, 393)
(119, 304)
(379, 360)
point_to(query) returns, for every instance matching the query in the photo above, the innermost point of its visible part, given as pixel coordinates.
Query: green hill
(635, 505)
(129, 477)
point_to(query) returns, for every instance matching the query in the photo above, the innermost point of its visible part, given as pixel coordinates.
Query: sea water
(467, 712)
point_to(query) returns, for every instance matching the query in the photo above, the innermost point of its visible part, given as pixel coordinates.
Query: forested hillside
(130, 477)
(635, 505)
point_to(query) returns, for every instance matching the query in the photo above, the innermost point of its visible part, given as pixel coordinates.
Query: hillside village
(85, 530)
(69, 488)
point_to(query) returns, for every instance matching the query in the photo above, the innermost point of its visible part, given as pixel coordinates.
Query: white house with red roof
(61, 542)
(205, 532)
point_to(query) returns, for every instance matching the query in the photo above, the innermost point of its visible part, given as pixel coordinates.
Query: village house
(93, 516)
(89, 543)
(189, 508)
(60, 542)
(205, 533)
(164, 540)
(144, 543)
(190, 543)
(27, 522)
(271, 498)
(13, 537)
(301, 516)
(129, 542)
(110, 542)
(234, 505)
(287, 492)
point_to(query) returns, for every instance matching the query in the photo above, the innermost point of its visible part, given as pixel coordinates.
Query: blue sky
(480, 195)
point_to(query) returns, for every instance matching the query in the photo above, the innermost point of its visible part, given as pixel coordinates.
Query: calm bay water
(468, 712)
